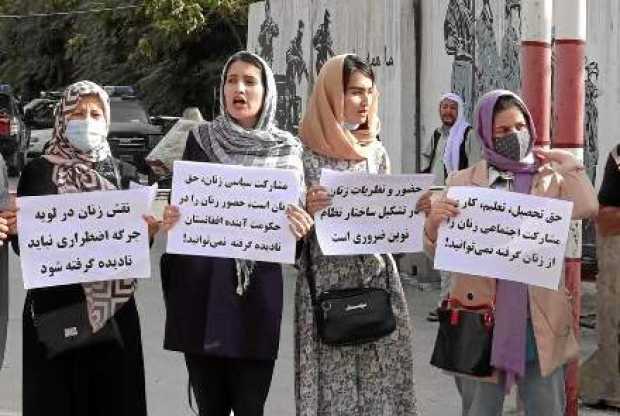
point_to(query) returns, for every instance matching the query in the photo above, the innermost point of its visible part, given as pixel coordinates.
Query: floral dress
(373, 379)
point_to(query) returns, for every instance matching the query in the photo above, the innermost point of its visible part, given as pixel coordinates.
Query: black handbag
(67, 329)
(351, 316)
(464, 340)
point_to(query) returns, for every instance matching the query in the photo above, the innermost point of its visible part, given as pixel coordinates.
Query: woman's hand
(171, 217)
(4, 230)
(10, 221)
(300, 221)
(441, 211)
(565, 160)
(317, 199)
(153, 225)
(424, 203)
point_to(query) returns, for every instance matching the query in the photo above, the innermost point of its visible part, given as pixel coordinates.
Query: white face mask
(87, 135)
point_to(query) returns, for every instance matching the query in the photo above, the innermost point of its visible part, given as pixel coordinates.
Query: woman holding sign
(106, 374)
(224, 314)
(532, 334)
(340, 130)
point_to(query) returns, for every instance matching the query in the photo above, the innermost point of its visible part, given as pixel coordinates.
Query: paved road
(165, 371)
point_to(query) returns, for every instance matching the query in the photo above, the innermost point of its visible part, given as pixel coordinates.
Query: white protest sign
(505, 235)
(156, 206)
(233, 211)
(371, 213)
(83, 237)
(152, 190)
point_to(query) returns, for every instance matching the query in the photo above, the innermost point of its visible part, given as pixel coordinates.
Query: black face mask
(513, 146)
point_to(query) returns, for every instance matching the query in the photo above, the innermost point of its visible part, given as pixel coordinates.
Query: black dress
(105, 379)
(230, 341)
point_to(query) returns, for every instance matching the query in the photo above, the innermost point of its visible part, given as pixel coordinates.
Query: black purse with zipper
(464, 340)
(351, 316)
(67, 329)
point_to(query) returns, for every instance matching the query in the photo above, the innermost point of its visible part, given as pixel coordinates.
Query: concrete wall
(379, 30)
(477, 53)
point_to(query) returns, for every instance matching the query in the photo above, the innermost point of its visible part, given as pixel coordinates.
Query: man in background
(452, 147)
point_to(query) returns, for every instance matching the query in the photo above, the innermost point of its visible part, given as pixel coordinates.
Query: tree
(173, 50)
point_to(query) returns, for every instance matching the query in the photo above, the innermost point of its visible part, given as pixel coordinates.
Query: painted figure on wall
(269, 30)
(322, 42)
(487, 56)
(590, 157)
(590, 142)
(295, 68)
(459, 41)
(511, 68)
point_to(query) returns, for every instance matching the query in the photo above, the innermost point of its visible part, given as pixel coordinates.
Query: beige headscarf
(322, 129)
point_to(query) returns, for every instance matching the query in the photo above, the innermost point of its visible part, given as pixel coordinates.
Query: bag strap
(307, 256)
(435, 139)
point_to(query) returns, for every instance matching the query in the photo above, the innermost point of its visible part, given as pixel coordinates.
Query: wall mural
(487, 56)
(269, 30)
(289, 84)
(322, 42)
(289, 102)
(459, 43)
(478, 66)
(590, 154)
(590, 142)
(511, 43)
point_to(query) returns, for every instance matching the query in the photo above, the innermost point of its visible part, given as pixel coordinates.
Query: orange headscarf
(322, 128)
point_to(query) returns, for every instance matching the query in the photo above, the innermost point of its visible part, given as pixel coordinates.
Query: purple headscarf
(509, 337)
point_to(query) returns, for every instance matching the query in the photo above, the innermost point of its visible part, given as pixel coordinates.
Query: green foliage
(172, 50)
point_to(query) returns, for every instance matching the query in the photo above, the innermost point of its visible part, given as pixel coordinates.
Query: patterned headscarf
(322, 129)
(225, 141)
(75, 171)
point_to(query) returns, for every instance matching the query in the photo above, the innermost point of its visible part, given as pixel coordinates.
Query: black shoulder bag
(67, 329)
(464, 340)
(351, 316)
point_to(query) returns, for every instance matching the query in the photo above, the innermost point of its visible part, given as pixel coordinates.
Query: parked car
(39, 115)
(39, 112)
(132, 135)
(38, 139)
(14, 132)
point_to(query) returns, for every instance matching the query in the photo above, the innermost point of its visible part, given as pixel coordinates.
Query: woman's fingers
(296, 233)
(301, 214)
(171, 217)
(300, 221)
(318, 189)
(296, 226)
(153, 224)
(317, 198)
(9, 218)
(424, 203)
(440, 212)
(313, 208)
(150, 219)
